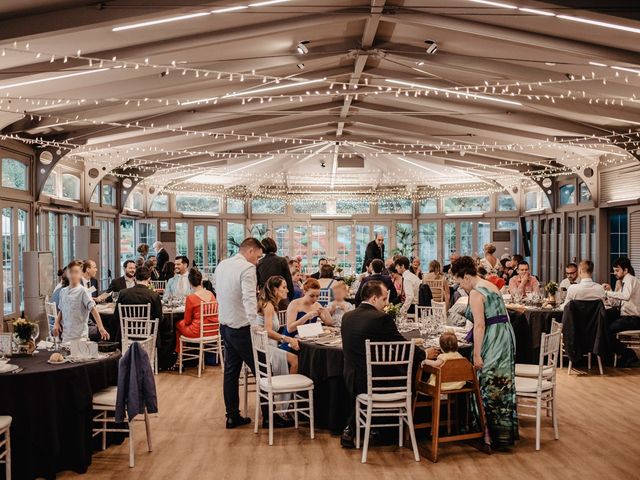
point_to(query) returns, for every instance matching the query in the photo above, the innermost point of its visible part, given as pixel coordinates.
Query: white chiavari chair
(159, 285)
(325, 297)
(272, 390)
(630, 338)
(209, 339)
(531, 370)
(51, 311)
(5, 444)
(436, 287)
(542, 388)
(136, 325)
(387, 395)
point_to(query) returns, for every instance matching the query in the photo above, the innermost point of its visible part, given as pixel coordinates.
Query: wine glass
(115, 295)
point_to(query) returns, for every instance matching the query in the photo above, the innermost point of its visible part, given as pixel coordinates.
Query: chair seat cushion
(286, 383)
(530, 385)
(629, 333)
(384, 400)
(527, 370)
(5, 422)
(106, 397)
(199, 339)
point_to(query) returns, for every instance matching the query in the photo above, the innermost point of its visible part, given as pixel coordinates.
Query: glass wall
(107, 266)
(182, 238)
(344, 247)
(428, 243)
(281, 236)
(405, 239)
(449, 241)
(484, 237)
(466, 238)
(235, 235)
(127, 240)
(15, 241)
(618, 237)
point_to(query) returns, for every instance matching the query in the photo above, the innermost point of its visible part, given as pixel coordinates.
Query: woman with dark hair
(493, 353)
(273, 292)
(168, 271)
(273, 265)
(307, 309)
(189, 326)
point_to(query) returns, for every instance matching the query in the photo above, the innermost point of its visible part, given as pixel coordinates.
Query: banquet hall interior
(346, 238)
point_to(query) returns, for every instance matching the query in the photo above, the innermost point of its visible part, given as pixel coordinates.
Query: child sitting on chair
(339, 306)
(449, 347)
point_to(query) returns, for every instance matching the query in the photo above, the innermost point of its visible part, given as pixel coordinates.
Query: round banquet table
(528, 324)
(51, 406)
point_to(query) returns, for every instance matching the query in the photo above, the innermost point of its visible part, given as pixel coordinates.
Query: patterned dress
(497, 377)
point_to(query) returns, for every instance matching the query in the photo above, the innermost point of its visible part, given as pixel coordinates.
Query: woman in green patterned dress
(493, 353)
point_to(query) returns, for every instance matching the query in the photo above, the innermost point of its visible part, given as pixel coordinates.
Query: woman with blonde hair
(437, 282)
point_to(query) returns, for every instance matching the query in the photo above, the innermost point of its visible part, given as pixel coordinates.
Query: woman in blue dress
(493, 353)
(273, 292)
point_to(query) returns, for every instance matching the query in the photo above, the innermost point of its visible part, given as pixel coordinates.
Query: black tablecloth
(528, 326)
(51, 406)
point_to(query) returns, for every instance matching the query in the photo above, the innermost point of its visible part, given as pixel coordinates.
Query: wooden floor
(599, 438)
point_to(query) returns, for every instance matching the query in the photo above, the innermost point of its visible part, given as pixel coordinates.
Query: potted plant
(23, 333)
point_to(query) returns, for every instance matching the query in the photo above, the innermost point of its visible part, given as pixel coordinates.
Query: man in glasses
(571, 277)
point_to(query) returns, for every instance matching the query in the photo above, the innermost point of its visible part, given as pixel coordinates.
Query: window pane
(428, 238)
(212, 245)
(402, 206)
(67, 239)
(404, 239)
(506, 203)
(7, 261)
(147, 234)
(95, 196)
(571, 237)
(582, 231)
(507, 225)
(466, 204)
(235, 205)
(70, 186)
(585, 194)
(319, 243)
(353, 207)
(194, 203)
(50, 184)
(531, 201)
(592, 237)
(23, 246)
(466, 238)
(344, 246)
(484, 237)
(14, 174)
(301, 244)
(108, 197)
(267, 206)
(363, 237)
(198, 245)
(259, 230)
(160, 203)
(235, 235)
(135, 200)
(281, 236)
(449, 240)
(182, 238)
(567, 194)
(127, 240)
(429, 205)
(309, 207)
(164, 225)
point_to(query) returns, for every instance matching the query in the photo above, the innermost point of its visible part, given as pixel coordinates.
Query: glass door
(344, 247)
(15, 241)
(107, 261)
(205, 245)
(319, 242)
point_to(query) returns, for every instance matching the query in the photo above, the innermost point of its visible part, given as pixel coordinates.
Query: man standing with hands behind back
(375, 249)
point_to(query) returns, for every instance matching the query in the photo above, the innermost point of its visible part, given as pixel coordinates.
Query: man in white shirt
(178, 285)
(629, 318)
(410, 285)
(571, 277)
(586, 289)
(236, 283)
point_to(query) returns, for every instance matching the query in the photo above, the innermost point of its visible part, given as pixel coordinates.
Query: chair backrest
(555, 326)
(436, 314)
(282, 317)
(261, 354)
(135, 321)
(436, 289)
(325, 297)
(51, 311)
(209, 325)
(453, 370)
(148, 345)
(158, 284)
(441, 305)
(549, 353)
(389, 366)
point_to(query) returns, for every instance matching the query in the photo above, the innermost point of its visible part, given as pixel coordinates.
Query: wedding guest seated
(168, 271)
(629, 318)
(515, 262)
(151, 264)
(141, 294)
(272, 293)
(396, 278)
(89, 272)
(524, 282)
(571, 277)
(189, 326)
(435, 275)
(367, 322)
(75, 306)
(321, 263)
(586, 288)
(410, 285)
(377, 267)
(178, 285)
(128, 280)
(306, 309)
(415, 267)
(296, 277)
(339, 306)
(326, 277)
(449, 348)
(452, 258)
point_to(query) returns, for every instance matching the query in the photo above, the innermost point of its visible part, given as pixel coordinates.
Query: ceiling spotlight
(302, 47)
(432, 46)
(300, 66)
(322, 164)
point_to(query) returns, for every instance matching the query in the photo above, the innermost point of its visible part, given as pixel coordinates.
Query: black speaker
(526, 237)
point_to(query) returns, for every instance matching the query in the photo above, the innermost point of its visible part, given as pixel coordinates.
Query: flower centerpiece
(551, 288)
(23, 331)
(393, 310)
(349, 280)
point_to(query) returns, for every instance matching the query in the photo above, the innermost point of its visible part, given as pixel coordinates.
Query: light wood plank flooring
(599, 438)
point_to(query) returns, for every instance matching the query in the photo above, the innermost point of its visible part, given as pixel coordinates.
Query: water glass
(115, 295)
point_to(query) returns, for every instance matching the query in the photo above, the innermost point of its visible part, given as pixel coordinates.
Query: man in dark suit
(89, 272)
(377, 266)
(375, 249)
(162, 256)
(271, 265)
(367, 322)
(128, 280)
(321, 263)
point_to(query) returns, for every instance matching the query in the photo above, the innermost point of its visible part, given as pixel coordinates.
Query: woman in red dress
(189, 326)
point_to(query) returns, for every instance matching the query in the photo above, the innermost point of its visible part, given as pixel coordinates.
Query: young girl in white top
(339, 306)
(449, 347)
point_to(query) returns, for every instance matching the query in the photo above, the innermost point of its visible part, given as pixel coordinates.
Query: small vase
(24, 347)
(551, 298)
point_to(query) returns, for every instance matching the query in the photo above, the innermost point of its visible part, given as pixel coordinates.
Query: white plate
(57, 363)
(8, 368)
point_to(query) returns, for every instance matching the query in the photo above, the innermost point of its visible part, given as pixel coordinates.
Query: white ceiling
(288, 138)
